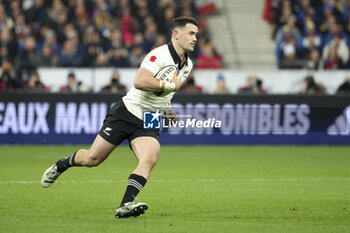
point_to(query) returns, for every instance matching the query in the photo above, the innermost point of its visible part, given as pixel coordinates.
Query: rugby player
(125, 119)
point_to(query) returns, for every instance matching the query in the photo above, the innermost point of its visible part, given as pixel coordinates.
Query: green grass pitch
(192, 189)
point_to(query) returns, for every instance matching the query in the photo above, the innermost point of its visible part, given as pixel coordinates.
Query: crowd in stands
(310, 34)
(91, 33)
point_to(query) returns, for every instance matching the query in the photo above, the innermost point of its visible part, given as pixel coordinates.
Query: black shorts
(120, 124)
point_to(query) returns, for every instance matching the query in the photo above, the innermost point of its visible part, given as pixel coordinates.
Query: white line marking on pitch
(182, 181)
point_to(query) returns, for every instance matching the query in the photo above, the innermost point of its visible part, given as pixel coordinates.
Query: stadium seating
(306, 31)
(87, 33)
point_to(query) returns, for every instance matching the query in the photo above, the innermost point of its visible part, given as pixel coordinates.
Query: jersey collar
(176, 57)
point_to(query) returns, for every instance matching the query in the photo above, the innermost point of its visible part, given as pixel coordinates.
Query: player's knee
(93, 160)
(150, 160)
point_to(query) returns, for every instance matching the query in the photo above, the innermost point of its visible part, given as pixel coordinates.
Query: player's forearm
(147, 84)
(145, 81)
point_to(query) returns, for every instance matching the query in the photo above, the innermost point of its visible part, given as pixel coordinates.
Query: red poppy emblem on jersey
(153, 58)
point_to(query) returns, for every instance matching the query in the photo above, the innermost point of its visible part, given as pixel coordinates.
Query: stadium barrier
(275, 82)
(206, 119)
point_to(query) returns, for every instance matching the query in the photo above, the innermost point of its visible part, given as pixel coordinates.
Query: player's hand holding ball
(177, 81)
(168, 80)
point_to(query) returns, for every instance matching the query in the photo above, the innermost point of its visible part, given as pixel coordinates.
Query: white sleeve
(153, 61)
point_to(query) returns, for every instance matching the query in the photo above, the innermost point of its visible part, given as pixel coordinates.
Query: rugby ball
(166, 74)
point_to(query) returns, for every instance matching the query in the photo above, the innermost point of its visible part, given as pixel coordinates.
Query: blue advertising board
(203, 119)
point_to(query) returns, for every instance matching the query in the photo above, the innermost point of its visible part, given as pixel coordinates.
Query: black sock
(65, 163)
(135, 184)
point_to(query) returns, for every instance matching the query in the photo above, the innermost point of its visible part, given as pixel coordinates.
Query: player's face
(188, 37)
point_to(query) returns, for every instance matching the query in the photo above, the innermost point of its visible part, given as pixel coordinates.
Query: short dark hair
(182, 21)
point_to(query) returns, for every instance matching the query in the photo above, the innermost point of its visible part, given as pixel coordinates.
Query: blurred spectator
(114, 86)
(37, 14)
(70, 56)
(81, 14)
(90, 57)
(208, 59)
(136, 56)
(139, 40)
(327, 23)
(313, 61)
(73, 85)
(190, 86)
(160, 40)
(88, 35)
(333, 62)
(342, 49)
(142, 10)
(8, 82)
(26, 61)
(46, 58)
(165, 20)
(344, 88)
(5, 21)
(116, 38)
(150, 36)
(34, 83)
(15, 7)
(128, 26)
(8, 46)
(288, 30)
(308, 21)
(334, 29)
(73, 35)
(221, 87)
(19, 26)
(310, 87)
(92, 37)
(253, 85)
(309, 41)
(304, 9)
(101, 60)
(188, 8)
(50, 39)
(102, 17)
(59, 20)
(282, 10)
(289, 57)
(119, 59)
